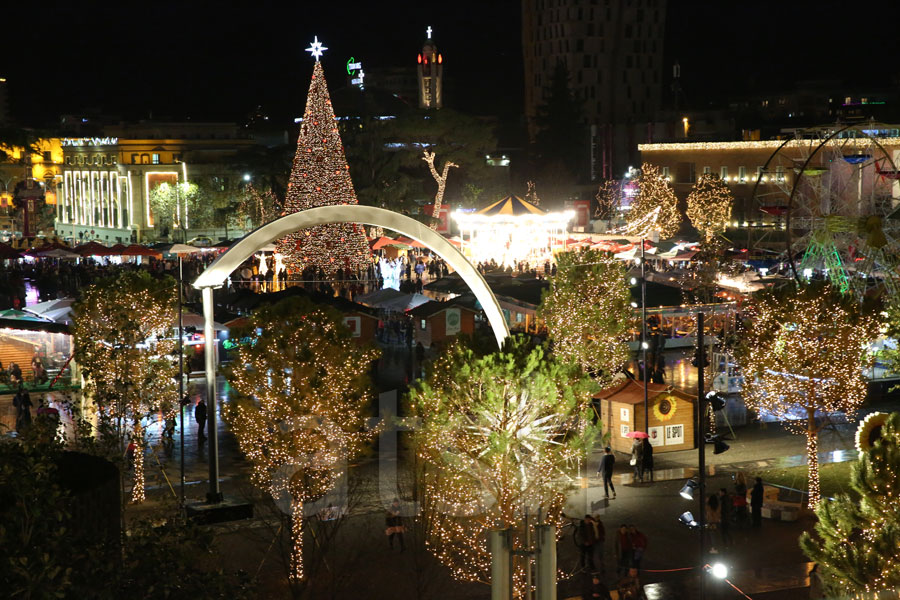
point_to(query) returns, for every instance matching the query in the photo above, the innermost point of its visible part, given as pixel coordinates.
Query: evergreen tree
(302, 405)
(858, 533)
(320, 176)
(588, 313)
(499, 433)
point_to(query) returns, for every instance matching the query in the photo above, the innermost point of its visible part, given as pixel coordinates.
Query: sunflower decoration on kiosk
(869, 431)
(664, 407)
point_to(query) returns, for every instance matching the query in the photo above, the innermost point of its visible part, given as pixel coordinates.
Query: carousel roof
(511, 205)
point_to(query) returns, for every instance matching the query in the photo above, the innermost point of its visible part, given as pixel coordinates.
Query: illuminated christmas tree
(655, 209)
(709, 205)
(498, 434)
(320, 176)
(803, 355)
(301, 408)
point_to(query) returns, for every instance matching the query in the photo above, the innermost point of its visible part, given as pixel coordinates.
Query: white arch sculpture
(215, 274)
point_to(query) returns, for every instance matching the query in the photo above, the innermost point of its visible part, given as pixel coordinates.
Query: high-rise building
(612, 50)
(4, 101)
(431, 74)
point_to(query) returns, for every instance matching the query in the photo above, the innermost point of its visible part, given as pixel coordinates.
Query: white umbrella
(405, 302)
(58, 253)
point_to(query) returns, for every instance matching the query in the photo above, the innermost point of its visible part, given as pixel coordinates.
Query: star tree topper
(316, 48)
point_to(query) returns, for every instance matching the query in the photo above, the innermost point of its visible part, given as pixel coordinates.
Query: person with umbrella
(637, 454)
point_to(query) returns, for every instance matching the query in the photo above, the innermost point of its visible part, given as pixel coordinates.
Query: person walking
(599, 543)
(200, 417)
(726, 506)
(739, 500)
(394, 523)
(637, 459)
(22, 403)
(605, 470)
(624, 550)
(647, 459)
(713, 517)
(638, 546)
(756, 502)
(585, 539)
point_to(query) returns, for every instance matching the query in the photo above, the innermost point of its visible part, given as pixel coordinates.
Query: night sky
(210, 61)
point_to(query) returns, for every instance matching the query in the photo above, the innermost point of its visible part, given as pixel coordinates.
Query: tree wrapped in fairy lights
(320, 176)
(803, 354)
(302, 408)
(858, 533)
(499, 435)
(655, 208)
(257, 207)
(125, 344)
(587, 311)
(709, 205)
(609, 199)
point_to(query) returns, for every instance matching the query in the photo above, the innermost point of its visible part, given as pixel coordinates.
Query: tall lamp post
(644, 343)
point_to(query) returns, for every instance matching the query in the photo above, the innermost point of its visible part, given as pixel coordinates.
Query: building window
(742, 174)
(145, 159)
(176, 158)
(134, 159)
(422, 323)
(759, 173)
(665, 174)
(723, 173)
(155, 158)
(47, 156)
(779, 174)
(707, 170)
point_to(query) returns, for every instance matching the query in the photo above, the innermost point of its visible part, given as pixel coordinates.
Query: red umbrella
(138, 250)
(636, 434)
(92, 249)
(7, 252)
(117, 248)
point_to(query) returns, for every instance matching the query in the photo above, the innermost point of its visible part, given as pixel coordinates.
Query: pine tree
(320, 176)
(498, 433)
(858, 532)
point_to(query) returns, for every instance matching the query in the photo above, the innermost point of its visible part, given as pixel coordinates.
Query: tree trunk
(812, 457)
(296, 573)
(137, 490)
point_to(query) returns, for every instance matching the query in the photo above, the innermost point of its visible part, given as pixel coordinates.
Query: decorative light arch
(215, 274)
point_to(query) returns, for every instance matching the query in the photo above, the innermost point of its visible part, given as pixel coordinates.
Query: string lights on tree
(803, 355)
(709, 205)
(124, 342)
(441, 179)
(320, 176)
(258, 207)
(500, 435)
(858, 533)
(588, 313)
(609, 199)
(302, 407)
(655, 208)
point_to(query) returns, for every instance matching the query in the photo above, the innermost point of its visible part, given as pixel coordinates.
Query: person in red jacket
(624, 550)
(638, 546)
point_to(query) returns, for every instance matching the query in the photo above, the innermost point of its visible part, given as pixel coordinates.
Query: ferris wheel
(835, 192)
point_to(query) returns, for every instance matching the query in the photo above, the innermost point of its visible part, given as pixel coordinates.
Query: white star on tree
(316, 48)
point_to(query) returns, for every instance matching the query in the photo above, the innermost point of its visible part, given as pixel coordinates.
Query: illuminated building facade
(430, 69)
(28, 180)
(106, 182)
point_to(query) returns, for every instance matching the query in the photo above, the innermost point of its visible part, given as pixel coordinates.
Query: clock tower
(431, 74)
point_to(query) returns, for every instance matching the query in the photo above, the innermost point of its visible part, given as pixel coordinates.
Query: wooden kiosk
(672, 415)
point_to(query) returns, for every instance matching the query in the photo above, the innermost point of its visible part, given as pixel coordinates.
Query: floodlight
(634, 281)
(634, 304)
(719, 571)
(687, 492)
(688, 519)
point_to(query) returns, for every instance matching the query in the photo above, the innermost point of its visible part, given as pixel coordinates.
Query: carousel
(511, 231)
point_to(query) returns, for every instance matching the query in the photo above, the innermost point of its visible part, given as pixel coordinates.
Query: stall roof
(631, 391)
